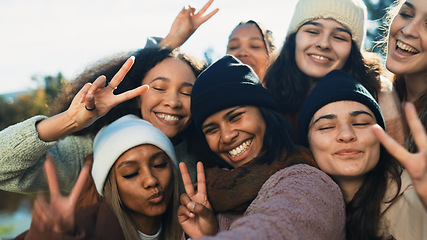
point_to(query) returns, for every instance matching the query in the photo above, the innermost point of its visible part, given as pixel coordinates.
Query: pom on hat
(352, 14)
(123, 134)
(227, 83)
(335, 86)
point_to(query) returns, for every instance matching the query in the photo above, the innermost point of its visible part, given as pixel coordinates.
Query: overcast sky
(44, 37)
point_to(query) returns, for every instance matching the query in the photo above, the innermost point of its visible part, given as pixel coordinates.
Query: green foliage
(6, 230)
(30, 104)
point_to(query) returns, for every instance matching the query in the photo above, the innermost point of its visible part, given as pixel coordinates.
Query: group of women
(244, 118)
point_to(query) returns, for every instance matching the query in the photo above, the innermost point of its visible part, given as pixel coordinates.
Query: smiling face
(166, 104)
(235, 134)
(322, 45)
(144, 179)
(247, 44)
(407, 43)
(342, 141)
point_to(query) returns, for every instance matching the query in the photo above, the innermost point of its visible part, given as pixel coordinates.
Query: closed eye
(161, 165)
(131, 175)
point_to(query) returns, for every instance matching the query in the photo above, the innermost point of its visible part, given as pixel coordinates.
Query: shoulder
(300, 173)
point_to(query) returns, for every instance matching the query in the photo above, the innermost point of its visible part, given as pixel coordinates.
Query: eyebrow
(152, 157)
(410, 5)
(226, 115)
(340, 29)
(360, 112)
(168, 80)
(328, 116)
(333, 116)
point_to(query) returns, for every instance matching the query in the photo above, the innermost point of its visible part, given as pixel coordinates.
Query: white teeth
(240, 149)
(319, 57)
(167, 117)
(406, 47)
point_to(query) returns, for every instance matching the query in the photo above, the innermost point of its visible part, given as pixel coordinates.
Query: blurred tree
(376, 12)
(32, 103)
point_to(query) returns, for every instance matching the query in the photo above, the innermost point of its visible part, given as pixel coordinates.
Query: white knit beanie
(118, 137)
(352, 14)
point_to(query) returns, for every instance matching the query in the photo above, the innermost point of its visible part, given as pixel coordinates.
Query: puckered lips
(156, 197)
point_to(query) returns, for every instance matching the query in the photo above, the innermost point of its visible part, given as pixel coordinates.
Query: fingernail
(133, 57)
(191, 206)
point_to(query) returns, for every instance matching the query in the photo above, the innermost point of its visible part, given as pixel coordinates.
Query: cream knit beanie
(118, 137)
(352, 14)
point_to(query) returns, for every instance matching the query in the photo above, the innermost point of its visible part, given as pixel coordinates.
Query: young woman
(406, 55)
(250, 41)
(325, 35)
(134, 169)
(264, 176)
(67, 136)
(336, 122)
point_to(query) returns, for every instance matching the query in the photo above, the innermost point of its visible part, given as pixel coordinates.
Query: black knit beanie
(227, 83)
(335, 86)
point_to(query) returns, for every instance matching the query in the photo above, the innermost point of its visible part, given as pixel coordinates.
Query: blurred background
(45, 43)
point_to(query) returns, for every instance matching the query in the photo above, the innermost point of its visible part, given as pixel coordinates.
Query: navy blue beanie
(227, 83)
(335, 86)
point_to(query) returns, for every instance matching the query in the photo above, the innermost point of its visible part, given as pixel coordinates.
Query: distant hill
(10, 97)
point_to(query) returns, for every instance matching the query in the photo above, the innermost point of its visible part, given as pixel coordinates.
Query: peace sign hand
(195, 213)
(58, 214)
(95, 99)
(414, 163)
(185, 24)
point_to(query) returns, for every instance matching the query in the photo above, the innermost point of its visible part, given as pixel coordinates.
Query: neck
(349, 187)
(416, 86)
(147, 225)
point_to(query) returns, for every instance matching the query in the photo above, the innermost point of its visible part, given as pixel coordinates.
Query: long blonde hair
(170, 225)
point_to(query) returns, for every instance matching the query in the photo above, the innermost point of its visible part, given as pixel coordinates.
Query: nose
(172, 100)
(323, 42)
(242, 52)
(228, 135)
(346, 134)
(410, 30)
(148, 179)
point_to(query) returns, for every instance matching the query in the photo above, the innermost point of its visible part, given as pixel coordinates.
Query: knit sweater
(405, 217)
(297, 202)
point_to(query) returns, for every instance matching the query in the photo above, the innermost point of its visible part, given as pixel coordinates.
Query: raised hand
(95, 99)
(195, 213)
(185, 24)
(414, 163)
(57, 215)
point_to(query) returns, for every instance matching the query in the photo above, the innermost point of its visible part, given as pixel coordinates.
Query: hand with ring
(95, 99)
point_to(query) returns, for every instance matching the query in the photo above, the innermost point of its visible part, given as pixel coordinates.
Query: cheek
(344, 53)
(319, 148)
(212, 143)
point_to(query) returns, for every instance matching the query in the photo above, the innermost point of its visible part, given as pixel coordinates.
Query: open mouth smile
(240, 149)
(406, 47)
(167, 117)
